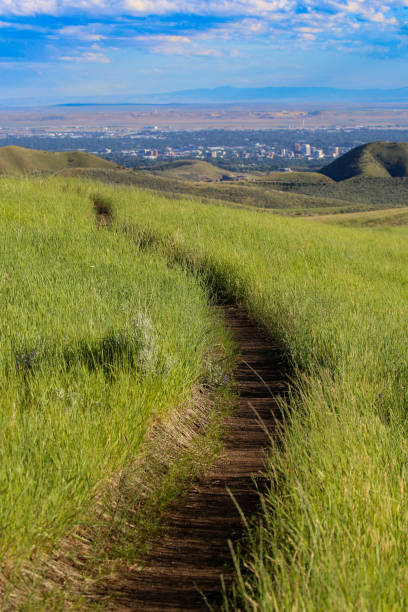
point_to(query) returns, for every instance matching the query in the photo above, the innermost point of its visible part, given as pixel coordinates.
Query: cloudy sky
(130, 47)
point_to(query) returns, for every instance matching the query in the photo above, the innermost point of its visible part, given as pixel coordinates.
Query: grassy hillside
(303, 194)
(98, 343)
(99, 340)
(298, 178)
(247, 194)
(372, 160)
(374, 192)
(334, 535)
(18, 160)
(192, 170)
(392, 217)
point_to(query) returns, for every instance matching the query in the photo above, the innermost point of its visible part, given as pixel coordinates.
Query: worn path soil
(194, 553)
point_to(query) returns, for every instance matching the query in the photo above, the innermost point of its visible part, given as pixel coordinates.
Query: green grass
(333, 535)
(241, 193)
(99, 339)
(376, 193)
(300, 195)
(302, 178)
(385, 218)
(371, 160)
(192, 170)
(19, 160)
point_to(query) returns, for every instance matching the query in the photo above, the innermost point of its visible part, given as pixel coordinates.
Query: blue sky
(130, 47)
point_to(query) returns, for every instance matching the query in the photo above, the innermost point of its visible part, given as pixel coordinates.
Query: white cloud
(55, 7)
(10, 25)
(322, 22)
(374, 11)
(167, 38)
(169, 44)
(208, 7)
(85, 33)
(28, 7)
(87, 57)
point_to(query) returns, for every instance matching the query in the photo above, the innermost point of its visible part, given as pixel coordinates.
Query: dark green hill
(18, 160)
(372, 160)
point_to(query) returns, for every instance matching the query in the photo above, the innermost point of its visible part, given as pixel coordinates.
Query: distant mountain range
(271, 94)
(229, 95)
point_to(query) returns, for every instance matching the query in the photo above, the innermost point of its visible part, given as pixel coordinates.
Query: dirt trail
(194, 553)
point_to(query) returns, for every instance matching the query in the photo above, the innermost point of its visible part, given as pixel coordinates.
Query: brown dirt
(103, 211)
(193, 555)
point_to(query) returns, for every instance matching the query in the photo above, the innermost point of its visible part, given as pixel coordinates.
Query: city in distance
(243, 136)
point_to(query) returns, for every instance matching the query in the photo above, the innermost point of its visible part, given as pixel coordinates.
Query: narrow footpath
(194, 552)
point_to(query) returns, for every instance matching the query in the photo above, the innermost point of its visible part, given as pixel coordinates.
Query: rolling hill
(193, 170)
(240, 193)
(372, 160)
(18, 160)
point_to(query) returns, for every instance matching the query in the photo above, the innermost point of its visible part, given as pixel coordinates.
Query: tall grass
(129, 333)
(98, 339)
(334, 534)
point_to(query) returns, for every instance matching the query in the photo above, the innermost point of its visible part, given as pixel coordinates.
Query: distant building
(151, 154)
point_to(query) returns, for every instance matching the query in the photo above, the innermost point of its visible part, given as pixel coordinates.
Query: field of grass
(298, 178)
(383, 218)
(83, 314)
(334, 531)
(99, 340)
(240, 193)
(299, 195)
(374, 192)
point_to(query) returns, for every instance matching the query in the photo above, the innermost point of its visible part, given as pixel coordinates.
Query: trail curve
(190, 559)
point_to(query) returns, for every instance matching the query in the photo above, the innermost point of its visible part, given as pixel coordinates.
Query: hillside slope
(240, 193)
(294, 178)
(372, 160)
(193, 170)
(18, 160)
